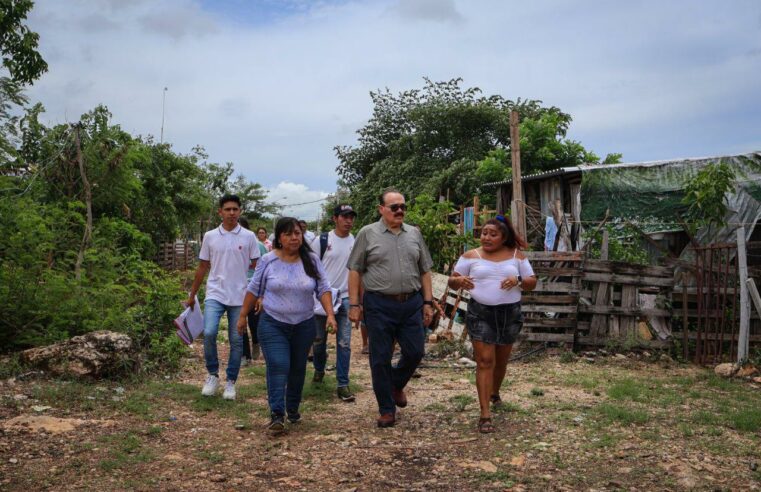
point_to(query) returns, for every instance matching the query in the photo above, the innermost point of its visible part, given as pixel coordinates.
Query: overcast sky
(274, 85)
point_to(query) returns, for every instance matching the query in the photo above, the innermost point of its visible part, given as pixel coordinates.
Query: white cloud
(298, 200)
(428, 10)
(651, 79)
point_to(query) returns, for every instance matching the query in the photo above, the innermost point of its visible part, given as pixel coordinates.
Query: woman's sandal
(496, 400)
(485, 426)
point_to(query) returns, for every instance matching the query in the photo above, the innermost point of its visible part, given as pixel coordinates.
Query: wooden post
(754, 294)
(685, 312)
(516, 207)
(476, 225)
(742, 261)
(600, 292)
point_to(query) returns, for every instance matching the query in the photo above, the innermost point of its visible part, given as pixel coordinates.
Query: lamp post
(163, 106)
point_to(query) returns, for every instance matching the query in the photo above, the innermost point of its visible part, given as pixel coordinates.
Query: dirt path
(612, 424)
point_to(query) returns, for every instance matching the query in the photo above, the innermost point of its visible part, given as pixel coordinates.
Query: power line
(307, 203)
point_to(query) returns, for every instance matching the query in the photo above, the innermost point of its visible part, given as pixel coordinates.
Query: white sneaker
(210, 388)
(229, 393)
(244, 361)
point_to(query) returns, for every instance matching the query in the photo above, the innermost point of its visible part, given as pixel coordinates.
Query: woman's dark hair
(261, 229)
(511, 238)
(289, 224)
(244, 222)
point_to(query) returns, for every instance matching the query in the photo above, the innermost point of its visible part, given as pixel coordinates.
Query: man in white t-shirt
(308, 235)
(227, 253)
(334, 248)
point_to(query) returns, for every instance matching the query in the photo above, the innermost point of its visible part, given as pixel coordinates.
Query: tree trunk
(88, 202)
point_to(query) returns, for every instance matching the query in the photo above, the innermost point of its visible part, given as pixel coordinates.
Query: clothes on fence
(550, 233)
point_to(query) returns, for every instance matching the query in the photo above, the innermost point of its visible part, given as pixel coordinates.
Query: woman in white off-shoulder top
(495, 274)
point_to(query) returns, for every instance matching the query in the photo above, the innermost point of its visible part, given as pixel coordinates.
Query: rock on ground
(726, 369)
(96, 354)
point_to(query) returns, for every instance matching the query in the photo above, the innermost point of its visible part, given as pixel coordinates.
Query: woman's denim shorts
(496, 325)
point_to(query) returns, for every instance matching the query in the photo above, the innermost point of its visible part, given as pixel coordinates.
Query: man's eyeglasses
(396, 207)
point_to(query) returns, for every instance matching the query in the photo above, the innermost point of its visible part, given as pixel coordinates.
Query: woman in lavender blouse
(286, 280)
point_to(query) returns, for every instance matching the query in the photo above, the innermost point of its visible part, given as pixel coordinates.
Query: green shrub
(42, 302)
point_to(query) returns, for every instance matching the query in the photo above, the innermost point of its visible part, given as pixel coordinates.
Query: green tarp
(651, 193)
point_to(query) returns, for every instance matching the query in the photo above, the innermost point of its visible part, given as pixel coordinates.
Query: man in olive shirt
(393, 264)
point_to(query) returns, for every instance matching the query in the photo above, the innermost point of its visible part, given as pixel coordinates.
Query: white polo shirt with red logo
(230, 254)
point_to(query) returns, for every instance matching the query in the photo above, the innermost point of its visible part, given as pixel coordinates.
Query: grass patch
(500, 476)
(210, 456)
(622, 415)
(154, 430)
(687, 430)
(435, 407)
(71, 394)
(537, 392)
(567, 357)
(125, 450)
(138, 403)
(746, 419)
(720, 383)
(628, 389)
(11, 365)
(507, 407)
(318, 396)
(460, 402)
(603, 441)
(589, 383)
(704, 417)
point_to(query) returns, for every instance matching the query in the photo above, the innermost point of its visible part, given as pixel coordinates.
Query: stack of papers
(189, 324)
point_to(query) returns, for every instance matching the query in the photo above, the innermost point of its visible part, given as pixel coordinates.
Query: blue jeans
(285, 348)
(388, 320)
(213, 313)
(343, 343)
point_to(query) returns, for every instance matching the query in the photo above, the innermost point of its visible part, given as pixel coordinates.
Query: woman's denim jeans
(285, 348)
(212, 314)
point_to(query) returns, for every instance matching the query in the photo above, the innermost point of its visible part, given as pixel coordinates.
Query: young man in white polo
(334, 248)
(227, 253)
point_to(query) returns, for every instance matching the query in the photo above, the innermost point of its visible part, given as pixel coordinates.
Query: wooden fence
(178, 255)
(583, 302)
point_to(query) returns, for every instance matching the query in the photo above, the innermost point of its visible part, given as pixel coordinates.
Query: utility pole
(517, 210)
(163, 107)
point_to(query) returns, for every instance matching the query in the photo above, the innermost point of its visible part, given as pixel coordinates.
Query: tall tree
(22, 64)
(435, 140)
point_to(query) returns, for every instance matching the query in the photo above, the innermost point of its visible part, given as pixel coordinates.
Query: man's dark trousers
(388, 320)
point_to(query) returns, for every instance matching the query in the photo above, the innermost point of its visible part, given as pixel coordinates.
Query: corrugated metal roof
(540, 175)
(589, 167)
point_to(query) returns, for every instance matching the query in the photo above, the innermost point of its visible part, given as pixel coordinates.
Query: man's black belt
(396, 297)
